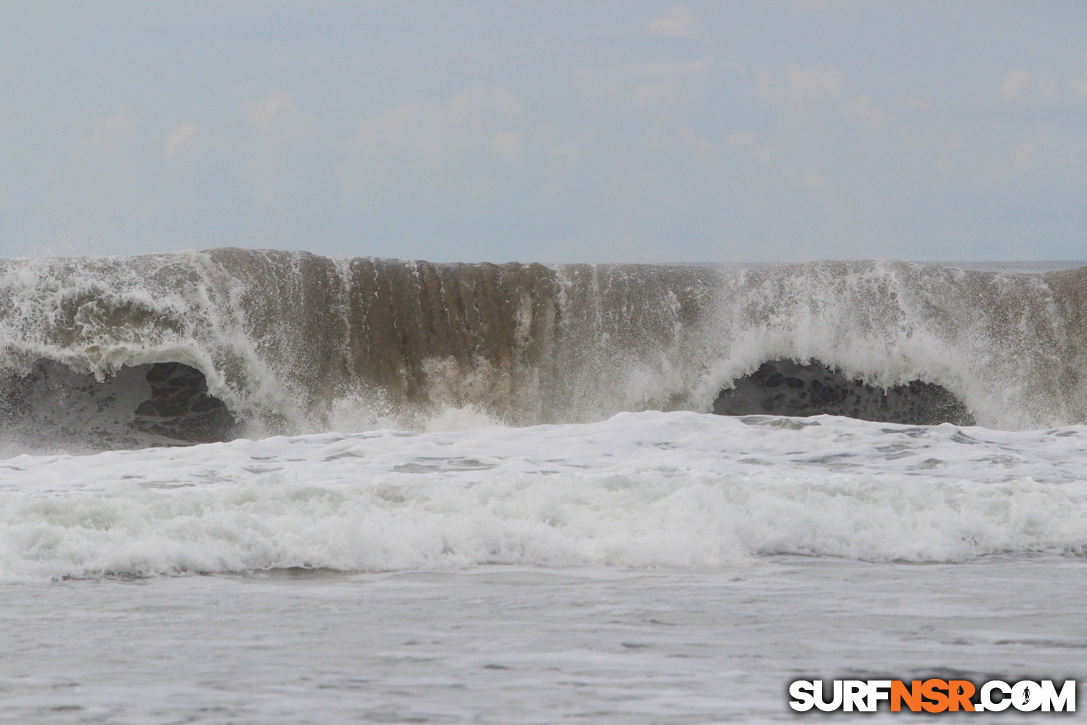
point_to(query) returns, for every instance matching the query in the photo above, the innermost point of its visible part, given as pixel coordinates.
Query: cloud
(451, 158)
(278, 104)
(768, 157)
(444, 163)
(692, 141)
(916, 104)
(111, 132)
(1022, 86)
(667, 83)
(1030, 156)
(481, 119)
(862, 110)
(945, 162)
(823, 6)
(797, 90)
(647, 87)
(677, 24)
(178, 136)
(749, 141)
(1017, 85)
(1080, 86)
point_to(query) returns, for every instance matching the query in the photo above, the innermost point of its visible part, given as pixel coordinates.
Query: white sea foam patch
(639, 490)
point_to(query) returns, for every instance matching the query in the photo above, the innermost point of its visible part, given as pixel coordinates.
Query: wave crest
(291, 342)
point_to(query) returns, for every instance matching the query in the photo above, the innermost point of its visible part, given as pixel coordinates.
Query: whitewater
(269, 487)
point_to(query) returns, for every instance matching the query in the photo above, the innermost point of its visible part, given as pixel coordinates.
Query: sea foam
(638, 490)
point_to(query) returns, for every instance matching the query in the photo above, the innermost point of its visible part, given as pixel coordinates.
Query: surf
(167, 349)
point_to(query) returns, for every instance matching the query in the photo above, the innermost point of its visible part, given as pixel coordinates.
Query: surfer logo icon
(1027, 695)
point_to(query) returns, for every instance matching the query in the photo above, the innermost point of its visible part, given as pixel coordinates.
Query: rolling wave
(122, 352)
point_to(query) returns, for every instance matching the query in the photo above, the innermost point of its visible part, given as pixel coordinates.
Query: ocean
(244, 486)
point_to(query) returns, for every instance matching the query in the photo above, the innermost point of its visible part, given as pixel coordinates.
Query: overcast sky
(550, 131)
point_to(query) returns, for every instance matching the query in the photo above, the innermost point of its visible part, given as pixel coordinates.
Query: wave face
(294, 343)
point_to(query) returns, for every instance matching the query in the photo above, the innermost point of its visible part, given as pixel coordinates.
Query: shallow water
(504, 644)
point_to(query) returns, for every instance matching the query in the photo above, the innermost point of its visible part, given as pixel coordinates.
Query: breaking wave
(649, 489)
(167, 348)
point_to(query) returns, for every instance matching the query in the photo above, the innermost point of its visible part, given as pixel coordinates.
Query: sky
(587, 131)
